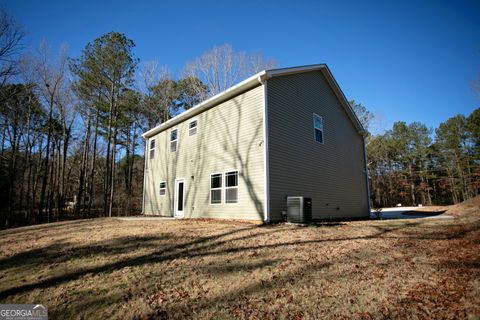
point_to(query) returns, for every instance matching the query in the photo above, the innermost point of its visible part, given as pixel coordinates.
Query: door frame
(176, 213)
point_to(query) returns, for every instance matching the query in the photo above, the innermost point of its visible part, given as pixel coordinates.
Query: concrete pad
(403, 213)
(145, 218)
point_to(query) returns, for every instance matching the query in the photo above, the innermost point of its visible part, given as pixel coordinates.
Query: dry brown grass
(105, 268)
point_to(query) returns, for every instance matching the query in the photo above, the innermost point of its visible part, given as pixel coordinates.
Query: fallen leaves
(210, 269)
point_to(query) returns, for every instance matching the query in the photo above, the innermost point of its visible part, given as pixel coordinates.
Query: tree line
(70, 127)
(70, 130)
(411, 164)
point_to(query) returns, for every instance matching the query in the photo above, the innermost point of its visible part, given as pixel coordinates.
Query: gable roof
(254, 81)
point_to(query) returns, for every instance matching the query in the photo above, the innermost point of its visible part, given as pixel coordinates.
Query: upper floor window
(318, 128)
(192, 128)
(152, 149)
(173, 140)
(231, 187)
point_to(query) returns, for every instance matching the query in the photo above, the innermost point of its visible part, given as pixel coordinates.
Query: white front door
(179, 199)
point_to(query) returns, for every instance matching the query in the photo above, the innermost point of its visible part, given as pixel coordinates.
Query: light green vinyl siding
(332, 173)
(229, 137)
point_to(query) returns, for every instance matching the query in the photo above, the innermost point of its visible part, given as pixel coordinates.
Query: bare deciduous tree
(476, 86)
(50, 79)
(11, 35)
(221, 67)
(158, 87)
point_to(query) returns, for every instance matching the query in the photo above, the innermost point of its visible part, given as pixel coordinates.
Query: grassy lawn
(106, 268)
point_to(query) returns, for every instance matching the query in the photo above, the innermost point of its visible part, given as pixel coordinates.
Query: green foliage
(406, 166)
(473, 125)
(191, 91)
(19, 101)
(104, 71)
(168, 97)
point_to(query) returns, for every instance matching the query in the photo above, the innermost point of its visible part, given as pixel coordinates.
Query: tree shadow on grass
(60, 252)
(237, 240)
(200, 247)
(38, 229)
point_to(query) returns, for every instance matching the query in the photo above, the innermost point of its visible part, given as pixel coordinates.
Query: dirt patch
(466, 208)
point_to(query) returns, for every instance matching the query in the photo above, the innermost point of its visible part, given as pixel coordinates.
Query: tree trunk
(38, 168)
(453, 188)
(412, 184)
(82, 175)
(92, 170)
(26, 165)
(112, 181)
(130, 186)
(12, 175)
(58, 182)
(108, 178)
(45, 163)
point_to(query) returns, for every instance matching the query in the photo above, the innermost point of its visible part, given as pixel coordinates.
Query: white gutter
(211, 102)
(250, 83)
(293, 70)
(366, 175)
(144, 175)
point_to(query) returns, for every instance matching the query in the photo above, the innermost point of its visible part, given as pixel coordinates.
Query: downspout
(266, 207)
(366, 172)
(144, 175)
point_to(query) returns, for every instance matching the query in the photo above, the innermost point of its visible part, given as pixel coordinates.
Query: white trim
(266, 167)
(293, 70)
(175, 205)
(249, 83)
(321, 129)
(211, 102)
(343, 100)
(144, 175)
(235, 187)
(160, 189)
(210, 189)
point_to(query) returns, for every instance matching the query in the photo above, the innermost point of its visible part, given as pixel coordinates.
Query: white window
(173, 140)
(152, 149)
(192, 128)
(215, 188)
(163, 188)
(231, 187)
(318, 128)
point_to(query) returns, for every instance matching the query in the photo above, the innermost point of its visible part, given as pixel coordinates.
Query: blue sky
(404, 60)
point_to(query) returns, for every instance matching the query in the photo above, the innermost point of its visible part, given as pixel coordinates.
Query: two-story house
(240, 154)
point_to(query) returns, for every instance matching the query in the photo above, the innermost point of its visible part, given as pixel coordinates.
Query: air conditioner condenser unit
(299, 209)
